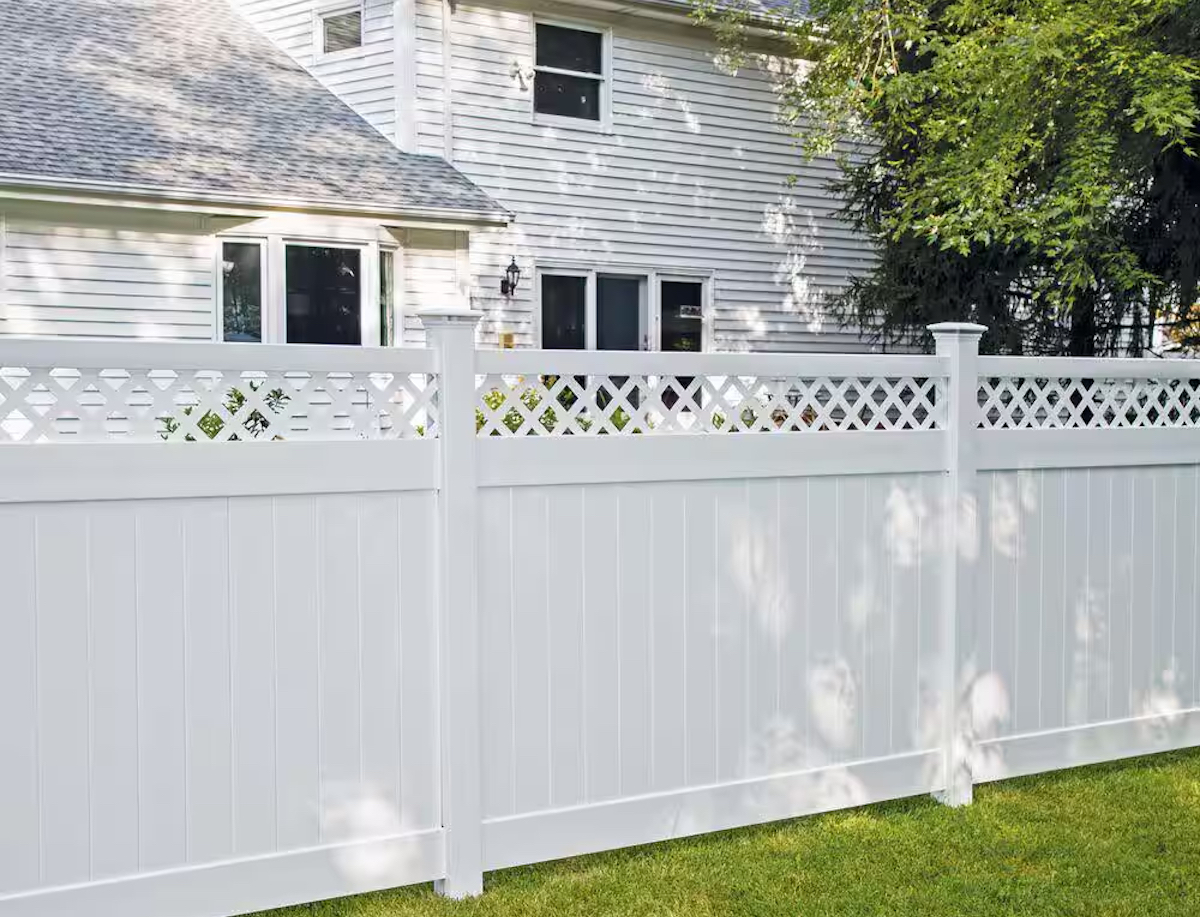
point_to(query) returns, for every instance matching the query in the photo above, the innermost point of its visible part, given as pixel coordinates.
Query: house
(167, 172)
(585, 174)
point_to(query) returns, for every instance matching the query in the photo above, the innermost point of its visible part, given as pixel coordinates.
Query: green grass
(1114, 839)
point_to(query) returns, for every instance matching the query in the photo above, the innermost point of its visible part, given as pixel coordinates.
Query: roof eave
(99, 193)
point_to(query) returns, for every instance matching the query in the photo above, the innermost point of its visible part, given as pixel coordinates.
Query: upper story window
(569, 73)
(341, 29)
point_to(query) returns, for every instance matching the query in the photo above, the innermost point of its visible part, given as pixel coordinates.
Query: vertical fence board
(700, 645)
(20, 832)
(1121, 604)
(635, 610)
(732, 644)
(420, 784)
(602, 664)
(531, 656)
(668, 637)
(1144, 586)
(207, 673)
(379, 560)
(497, 563)
(297, 662)
(1166, 672)
(340, 667)
(1027, 637)
(162, 701)
(1099, 594)
(829, 675)
(1055, 617)
(565, 583)
(251, 558)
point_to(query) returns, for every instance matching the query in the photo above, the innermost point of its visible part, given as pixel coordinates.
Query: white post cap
(957, 329)
(449, 315)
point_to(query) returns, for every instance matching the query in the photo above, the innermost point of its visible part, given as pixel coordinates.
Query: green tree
(1029, 165)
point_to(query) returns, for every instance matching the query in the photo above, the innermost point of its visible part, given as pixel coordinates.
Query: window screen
(569, 66)
(564, 312)
(341, 31)
(241, 291)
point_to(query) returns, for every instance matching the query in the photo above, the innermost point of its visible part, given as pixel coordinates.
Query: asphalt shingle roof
(186, 96)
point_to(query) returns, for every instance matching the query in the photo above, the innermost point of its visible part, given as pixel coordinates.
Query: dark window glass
(570, 49)
(682, 314)
(342, 31)
(564, 312)
(566, 96)
(619, 313)
(324, 295)
(241, 291)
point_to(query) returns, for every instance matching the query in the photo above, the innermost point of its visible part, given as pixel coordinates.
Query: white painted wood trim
(1001, 450)
(178, 355)
(519, 461)
(448, 80)
(52, 472)
(632, 362)
(250, 884)
(1075, 746)
(404, 60)
(559, 833)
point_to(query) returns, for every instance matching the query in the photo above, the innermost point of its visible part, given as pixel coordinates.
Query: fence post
(451, 332)
(958, 342)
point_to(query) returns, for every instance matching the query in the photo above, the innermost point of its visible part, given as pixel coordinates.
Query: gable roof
(184, 98)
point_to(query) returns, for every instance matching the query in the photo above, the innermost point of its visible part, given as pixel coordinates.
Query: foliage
(211, 423)
(547, 416)
(1116, 839)
(1029, 164)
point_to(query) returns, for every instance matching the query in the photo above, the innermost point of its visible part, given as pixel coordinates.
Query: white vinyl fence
(285, 623)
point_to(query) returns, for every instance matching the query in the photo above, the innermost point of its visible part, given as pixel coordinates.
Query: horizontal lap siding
(692, 177)
(431, 265)
(430, 102)
(149, 278)
(364, 79)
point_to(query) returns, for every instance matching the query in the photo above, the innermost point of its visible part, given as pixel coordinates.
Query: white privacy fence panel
(446, 611)
(208, 681)
(199, 393)
(562, 393)
(650, 638)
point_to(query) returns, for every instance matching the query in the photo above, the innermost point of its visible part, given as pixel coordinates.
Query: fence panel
(281, 624)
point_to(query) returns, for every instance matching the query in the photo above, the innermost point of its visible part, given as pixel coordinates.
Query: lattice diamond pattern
(1036, 403)
(89, 405)
(561, 405)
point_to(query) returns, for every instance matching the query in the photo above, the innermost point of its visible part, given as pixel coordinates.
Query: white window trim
(263, 281)
(653, 278)
(323, 11)
(604, 125)
(274, 282)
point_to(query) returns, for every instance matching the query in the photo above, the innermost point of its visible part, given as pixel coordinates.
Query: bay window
(300, 292)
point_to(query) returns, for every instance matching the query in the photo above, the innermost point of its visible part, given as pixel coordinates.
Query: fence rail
(429, 612)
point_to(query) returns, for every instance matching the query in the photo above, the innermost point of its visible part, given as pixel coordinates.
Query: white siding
(431, 79)
(434, 275)
(364, 78)
(105, 274)
(692, 176)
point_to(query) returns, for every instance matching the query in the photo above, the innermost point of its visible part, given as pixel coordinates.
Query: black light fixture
(512, 276)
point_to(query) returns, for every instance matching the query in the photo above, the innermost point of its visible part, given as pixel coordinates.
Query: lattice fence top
(563, 405)
(1010, 402)
(39, 404)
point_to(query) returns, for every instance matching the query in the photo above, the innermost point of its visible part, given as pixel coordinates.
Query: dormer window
(340, 29)
(569, 73)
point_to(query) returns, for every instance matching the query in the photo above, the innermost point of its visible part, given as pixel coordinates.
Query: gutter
(32, 187)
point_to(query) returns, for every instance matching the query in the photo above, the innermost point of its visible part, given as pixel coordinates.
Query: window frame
(338, 8)
(264, 284)
(274, 283)
(604, 123)
(653, 277)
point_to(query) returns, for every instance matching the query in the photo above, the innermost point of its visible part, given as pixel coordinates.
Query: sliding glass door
(324, 295)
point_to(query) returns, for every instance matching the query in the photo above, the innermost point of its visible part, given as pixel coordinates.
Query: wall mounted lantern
(512, 276)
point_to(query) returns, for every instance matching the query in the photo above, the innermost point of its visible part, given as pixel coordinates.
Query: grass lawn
(1114, 839)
